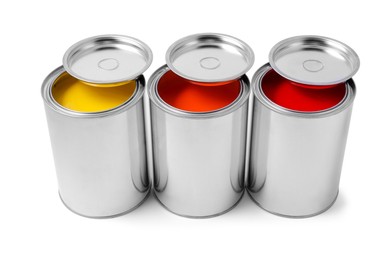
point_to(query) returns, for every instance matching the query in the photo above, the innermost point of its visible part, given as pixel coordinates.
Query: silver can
(199, 157)
(296, 156)
(100, 156)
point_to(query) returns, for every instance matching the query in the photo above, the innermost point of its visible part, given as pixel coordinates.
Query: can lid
(314, 60)
(209, 57)
(107, 59)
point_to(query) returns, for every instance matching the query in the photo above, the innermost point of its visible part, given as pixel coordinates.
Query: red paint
(301, 97)
(196, 96)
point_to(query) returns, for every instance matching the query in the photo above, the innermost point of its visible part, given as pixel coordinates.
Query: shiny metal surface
(296, 158)
(210, 57)
(100, 158)
(314, 60)
(199, 158)
(107, 59)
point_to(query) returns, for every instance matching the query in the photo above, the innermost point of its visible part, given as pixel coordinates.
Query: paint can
(199, 105)
(94, 111)
(301, 113)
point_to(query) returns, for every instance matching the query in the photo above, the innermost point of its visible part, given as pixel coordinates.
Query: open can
(301, 114)
(95, 114)
(199, 105)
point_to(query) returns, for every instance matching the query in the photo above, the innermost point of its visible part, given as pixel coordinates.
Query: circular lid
(210, 57)
(107, 59)
(314, 60)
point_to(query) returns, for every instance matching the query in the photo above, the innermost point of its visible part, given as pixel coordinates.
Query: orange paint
(196, 96)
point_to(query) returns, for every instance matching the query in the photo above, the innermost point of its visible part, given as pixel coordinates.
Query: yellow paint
(80, 96)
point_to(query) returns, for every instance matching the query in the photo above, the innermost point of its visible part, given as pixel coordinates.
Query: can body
(296, 158)
(100, 158)
(199, 158)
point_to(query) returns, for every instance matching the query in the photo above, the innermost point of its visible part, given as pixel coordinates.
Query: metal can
(94, 111)
(199, 105)
(301, 114)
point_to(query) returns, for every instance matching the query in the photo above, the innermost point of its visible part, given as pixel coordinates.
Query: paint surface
(79, 96)
(301, 97)
(192, 96)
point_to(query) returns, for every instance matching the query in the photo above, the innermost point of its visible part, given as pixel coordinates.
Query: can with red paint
(301, 113)
(199, 105)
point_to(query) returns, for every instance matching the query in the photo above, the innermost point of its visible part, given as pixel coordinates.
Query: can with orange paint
(94, 110)
(199, 106)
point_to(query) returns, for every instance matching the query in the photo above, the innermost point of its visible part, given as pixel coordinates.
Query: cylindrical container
(199, 105)
(94, 110)
(301, 114)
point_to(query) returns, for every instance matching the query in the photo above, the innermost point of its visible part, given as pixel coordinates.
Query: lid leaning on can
(314, 60)
(107, 59)
(210, 57)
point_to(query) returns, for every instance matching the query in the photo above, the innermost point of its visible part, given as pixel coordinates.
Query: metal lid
(314, 60)
(107, 59)
(210, 57)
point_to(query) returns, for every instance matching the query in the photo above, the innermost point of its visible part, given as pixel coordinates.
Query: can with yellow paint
(95, 113)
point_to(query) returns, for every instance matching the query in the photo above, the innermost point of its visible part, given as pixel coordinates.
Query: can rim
(53, 104)
(179, 45)
(257, 90)
(154, 97)
(343, 50)
(83, 45)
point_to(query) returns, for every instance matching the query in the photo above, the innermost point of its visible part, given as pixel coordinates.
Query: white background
(35, 225)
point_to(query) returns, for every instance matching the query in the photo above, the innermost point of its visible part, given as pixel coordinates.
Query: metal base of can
(199, 217)
(290, 216)
(109, 216)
